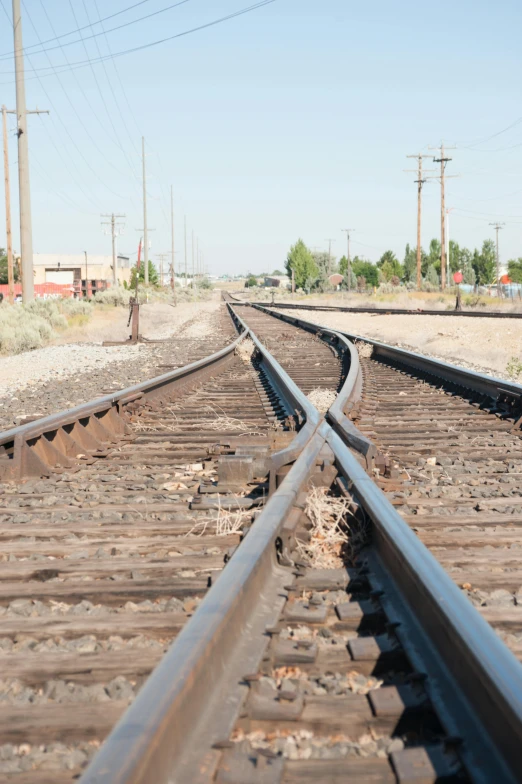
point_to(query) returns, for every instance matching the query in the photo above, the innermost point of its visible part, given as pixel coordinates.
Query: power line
(103, 32)
(4, 55)
(221, 20)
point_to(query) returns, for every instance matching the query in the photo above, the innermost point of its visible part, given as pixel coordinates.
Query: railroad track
(323, 652)
(396, 311)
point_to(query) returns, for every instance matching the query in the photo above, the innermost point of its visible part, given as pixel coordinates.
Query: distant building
(276, 281)
(72, 270)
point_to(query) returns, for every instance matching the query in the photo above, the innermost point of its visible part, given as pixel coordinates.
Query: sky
(292, 120)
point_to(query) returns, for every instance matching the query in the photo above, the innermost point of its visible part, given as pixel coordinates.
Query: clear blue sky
(292, 120)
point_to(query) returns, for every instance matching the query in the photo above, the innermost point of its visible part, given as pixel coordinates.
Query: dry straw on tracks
(322, 399)
(227, 522)
(245, 350)
(218, 420)
(365, 350)
(336, 535)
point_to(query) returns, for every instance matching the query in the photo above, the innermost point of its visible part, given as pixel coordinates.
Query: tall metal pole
(145, 232)
(172, 266)
(9, 236)
(26, 229)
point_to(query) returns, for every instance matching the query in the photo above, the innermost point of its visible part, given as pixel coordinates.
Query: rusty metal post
(135, 321)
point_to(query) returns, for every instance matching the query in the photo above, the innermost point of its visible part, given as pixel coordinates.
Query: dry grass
(219, 421)
(227, 522)
(245, 350)
(322, 399)
(336, 535)
(364, 349)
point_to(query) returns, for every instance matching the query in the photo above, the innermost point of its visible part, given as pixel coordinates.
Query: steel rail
(184, 705)
(191, 700)
(495, 388)
(34, 448)
(396, 311)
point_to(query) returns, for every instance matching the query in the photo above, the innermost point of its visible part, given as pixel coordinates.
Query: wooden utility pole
(172, 264)
(9, 235)
(86, 277)
(24, 189)
(186, 275)
(145, 228)
(161, 257)
(497, 227)
(193, 276)
(349, 270)
(443, 160)
(112, 222)
(420, 182)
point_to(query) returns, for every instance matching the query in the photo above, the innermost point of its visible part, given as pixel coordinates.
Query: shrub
(116, 296)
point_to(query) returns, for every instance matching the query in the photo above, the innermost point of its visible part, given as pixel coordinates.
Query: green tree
(343, 270)
(277, 272)
(362, 268)
(250, 282)
(484, 263)
(515, 270)
(301, 261)
(390, 266)
(433, 258)
(3, 268)
(153, 275)
(325, 264)
(410, 264)
(432, 276)
(466, 266)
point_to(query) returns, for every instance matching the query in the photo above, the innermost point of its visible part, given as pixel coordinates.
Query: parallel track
(377, 668)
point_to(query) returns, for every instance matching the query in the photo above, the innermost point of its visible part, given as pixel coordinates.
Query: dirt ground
(487, 345)
(157, 320)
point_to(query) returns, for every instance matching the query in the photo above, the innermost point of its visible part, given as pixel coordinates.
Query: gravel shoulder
(57, 377)
(487, 346)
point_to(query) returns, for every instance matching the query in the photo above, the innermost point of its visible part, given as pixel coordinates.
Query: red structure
(41, 290)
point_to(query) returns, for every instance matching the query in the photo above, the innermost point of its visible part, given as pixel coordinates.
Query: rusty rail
(396, 311)
(172, 731)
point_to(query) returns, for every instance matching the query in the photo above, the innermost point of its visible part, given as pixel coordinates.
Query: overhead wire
(96, 35)
(198, 28)
(51, 137)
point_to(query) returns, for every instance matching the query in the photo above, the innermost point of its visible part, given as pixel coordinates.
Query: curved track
(309, 658)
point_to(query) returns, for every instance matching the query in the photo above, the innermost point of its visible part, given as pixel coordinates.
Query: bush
(116, 296)
(48, 310)
(21, 329)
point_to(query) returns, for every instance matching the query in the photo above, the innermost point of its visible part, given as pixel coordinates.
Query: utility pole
(172, 267)
(443, 160)
(193, 278)
(420, 182)
(9, 235)
(329, 241)
(348, 257)
(448, 254)
(145, 229)
(186, 277)
(112, 222)
(161, 257)
(497, 227)
(24, 188)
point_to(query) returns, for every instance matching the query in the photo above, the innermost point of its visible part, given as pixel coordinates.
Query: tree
(484, 263)
(301, 261)
(515, 270)
(277, 272)
(250, 282)
(433, 258)
(3, 268)
(326, 265)
(365, 269)
(410, 264)
(390, 266)
(343, 270)
(153, 275)
(432, 276)
(466, 267)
